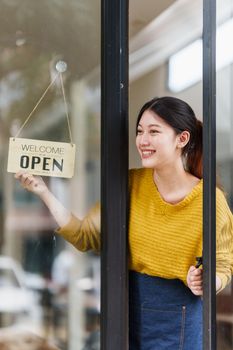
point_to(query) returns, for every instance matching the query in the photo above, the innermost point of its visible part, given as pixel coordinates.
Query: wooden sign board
(37, 157)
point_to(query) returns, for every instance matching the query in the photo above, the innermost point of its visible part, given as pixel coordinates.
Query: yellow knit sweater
(164, 239)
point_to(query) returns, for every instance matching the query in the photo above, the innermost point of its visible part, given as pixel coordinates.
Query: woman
(165, 229)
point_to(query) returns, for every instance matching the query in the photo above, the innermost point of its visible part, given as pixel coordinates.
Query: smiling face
(157, 142)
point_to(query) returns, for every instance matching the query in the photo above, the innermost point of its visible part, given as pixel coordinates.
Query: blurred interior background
(36, 265)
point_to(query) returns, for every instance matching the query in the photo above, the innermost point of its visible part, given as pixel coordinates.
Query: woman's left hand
(195, 280)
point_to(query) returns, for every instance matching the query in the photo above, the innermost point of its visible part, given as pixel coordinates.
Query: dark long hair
(180, 116)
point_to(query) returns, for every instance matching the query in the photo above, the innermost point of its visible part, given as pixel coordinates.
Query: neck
(171, 178)
(173, 182)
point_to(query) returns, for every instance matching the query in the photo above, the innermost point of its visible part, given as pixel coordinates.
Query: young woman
(165, 229)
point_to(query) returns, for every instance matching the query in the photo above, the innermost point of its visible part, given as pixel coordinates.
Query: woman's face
(156, 141)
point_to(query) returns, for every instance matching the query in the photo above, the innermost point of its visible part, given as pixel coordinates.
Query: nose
(144, 139)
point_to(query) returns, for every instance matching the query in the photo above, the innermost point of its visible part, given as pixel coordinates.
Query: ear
(182, 139)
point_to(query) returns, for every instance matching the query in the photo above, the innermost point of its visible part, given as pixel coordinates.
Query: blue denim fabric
(163, 314)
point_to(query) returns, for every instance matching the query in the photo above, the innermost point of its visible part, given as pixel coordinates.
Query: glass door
(50, 291)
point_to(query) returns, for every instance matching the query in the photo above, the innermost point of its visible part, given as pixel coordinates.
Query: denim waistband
(143, 287)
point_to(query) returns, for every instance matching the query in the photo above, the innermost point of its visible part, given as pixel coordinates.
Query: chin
(146, 163)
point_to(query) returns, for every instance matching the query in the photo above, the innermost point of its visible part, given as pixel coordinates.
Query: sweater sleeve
(224, 241)
(83, 234)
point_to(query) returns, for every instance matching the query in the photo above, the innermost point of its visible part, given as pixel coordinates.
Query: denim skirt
(163, 314)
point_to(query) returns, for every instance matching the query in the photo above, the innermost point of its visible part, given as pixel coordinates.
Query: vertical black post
(114, 175)
(209, 161)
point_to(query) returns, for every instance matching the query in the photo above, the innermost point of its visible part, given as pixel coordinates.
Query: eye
(154, 132)
(139, 131)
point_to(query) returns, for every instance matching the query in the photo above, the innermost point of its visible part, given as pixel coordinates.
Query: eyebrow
(150, 125)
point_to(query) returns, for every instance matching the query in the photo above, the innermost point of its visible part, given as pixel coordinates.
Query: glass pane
(49, 291)
(165, 28)
(225, 156)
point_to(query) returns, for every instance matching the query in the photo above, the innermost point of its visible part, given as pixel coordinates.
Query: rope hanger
(61, 67)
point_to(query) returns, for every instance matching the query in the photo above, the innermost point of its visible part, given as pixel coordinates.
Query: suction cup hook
(61, 66)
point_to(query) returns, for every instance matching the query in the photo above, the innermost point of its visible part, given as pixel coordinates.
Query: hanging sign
(46, 158)
(37, 157)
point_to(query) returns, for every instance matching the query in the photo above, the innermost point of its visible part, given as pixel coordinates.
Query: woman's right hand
(195, 280)
(32, 183)
(36, 185)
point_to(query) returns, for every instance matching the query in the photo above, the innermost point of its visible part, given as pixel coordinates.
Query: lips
(147, 153)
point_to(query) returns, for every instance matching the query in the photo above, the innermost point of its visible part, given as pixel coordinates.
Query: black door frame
(209, 174)
(114, 174)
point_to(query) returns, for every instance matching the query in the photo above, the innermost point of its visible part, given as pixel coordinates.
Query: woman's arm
(83, 234)
(218, 284)
(224, 241)
(224, 249)
(36, 185)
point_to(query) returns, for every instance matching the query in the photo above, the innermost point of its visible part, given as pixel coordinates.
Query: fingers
(32, 183)
(24, 177)
(196, 283)
(195, 280)
(197, 292)
(26, 180)
(22, 174)
(195, 274)
(19, 174)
